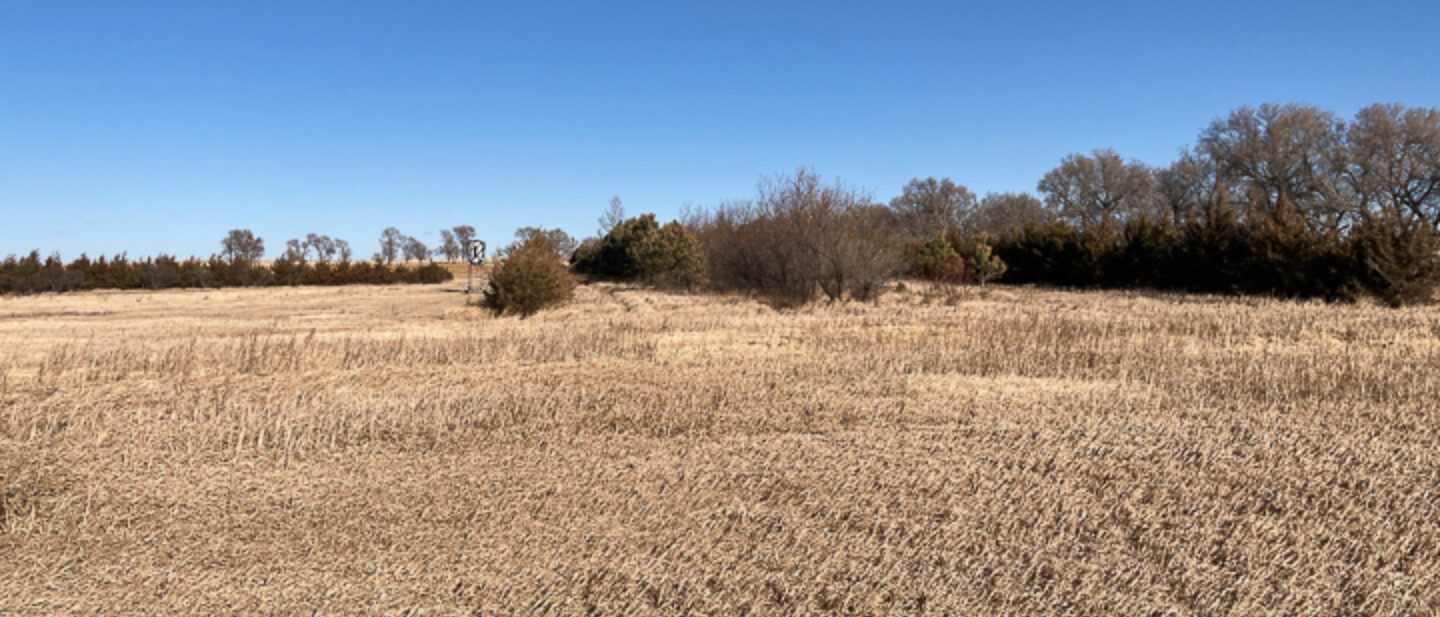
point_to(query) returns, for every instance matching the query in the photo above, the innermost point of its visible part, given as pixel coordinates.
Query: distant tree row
(316, 247)
(317, 260)
(1287, 165)
(1281, 200)
(1284, 200)
(32, 274)
(243, 245)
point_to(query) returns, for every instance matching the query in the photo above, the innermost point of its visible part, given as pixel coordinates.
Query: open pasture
(389, 450)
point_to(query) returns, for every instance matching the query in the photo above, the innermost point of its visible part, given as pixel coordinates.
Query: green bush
(981, 261)
(640, 249)
(1143, 256)
(936, 260)
(528, 277)
(1051, 253)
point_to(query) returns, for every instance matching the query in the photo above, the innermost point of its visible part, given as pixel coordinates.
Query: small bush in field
(981, 261)
(936, 260)
(530, 277)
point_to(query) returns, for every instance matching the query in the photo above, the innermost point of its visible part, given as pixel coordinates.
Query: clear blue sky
(158, 126)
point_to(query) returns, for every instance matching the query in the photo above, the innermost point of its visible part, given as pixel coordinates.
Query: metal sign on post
(475, 255)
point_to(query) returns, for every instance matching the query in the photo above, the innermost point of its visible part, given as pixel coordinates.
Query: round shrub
(640, 249)
(529, 277)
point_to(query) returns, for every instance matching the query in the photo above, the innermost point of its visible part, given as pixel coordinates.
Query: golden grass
(388, 450)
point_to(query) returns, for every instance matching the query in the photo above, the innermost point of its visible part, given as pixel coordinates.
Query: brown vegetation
(387, 450)
(529, 276)
(800, 235)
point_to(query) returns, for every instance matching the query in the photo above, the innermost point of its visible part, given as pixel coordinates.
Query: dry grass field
(390, 451)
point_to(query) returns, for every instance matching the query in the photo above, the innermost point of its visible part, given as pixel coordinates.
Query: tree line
(1283, 199)
(1286, 200)
(394, 245)
(315, 260)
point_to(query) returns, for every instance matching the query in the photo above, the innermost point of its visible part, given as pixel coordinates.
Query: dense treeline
(1285, 200)
(32, 274)
(1281, 200)
(1224, 255)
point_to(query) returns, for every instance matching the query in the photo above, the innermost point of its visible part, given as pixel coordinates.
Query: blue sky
(154, 127)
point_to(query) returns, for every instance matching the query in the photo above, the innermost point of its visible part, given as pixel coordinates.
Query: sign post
(475, 256)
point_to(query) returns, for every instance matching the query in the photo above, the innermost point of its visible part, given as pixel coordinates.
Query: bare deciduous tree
(321, 245)
(414, 249)
(1004, 213)
(1184, 187)
(448, 246)
(463, 235)
(294, 251)
(391, 243)
(801, 234)
(1098, 192)
(1391, 163)
(929, 207)
(242, 245)
(1280, 153)
(612, 217)
(563, 243)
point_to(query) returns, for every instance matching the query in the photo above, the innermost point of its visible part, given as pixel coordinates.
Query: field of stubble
(386, 450)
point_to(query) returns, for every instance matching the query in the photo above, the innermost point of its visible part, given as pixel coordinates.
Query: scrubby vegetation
(800, 237)
(1283, 200)
(528, 276)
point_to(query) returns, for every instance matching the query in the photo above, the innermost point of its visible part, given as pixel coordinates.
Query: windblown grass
(383, 450)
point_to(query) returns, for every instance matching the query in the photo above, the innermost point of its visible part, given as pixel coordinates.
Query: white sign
(475, 252)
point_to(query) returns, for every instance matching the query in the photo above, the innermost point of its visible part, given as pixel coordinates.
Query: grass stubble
(387, 450)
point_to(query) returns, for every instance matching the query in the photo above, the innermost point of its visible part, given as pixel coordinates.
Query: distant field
(389, 450)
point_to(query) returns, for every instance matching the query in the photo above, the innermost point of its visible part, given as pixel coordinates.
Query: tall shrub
(936, 260)
(640, 249)
(799, 236)
(1398, 264)
(529, 277)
